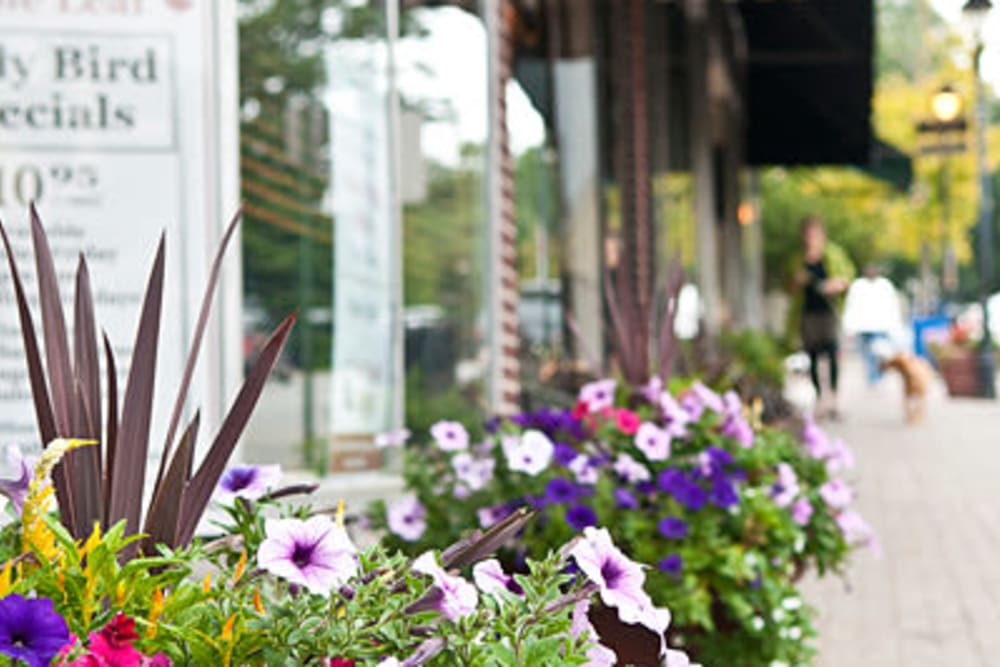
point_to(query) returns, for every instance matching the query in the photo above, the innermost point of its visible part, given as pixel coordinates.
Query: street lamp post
(976, 11)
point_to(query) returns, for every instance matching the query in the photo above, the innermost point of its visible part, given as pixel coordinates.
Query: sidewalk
(931, 491)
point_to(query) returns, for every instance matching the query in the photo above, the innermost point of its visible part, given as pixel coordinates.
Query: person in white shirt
(873, 314)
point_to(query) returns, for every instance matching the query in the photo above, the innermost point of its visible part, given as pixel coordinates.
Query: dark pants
(820, 333)
(830, 352)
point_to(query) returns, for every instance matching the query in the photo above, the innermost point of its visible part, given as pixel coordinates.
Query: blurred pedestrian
(872, 313)
(820, 275)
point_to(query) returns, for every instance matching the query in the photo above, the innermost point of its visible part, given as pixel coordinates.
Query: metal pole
(986, 358)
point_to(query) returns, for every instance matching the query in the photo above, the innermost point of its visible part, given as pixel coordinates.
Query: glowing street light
(946, 105)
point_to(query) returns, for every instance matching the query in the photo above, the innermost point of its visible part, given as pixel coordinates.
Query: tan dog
(917, 375)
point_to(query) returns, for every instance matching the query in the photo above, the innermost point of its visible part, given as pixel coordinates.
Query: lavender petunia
(839, 457)
(786, 489)
(491, 579)
(315, 553)
(653, 442)
(836, 493)
(530, 454)
(452, 596)
(16, 489)
(700, 398)
(619, 580)
(802, 511)
(631, 470)
(450, 436)
(249, 482)
(474, 473)
(598, 395)
(584, 470)
(816, 442)
(31, 630)
(407, 517)
(676, 417)
(490, 516)
(856, 530)
(597, 655)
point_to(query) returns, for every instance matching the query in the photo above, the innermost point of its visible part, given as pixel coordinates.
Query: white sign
(363, 214)
(118, 120)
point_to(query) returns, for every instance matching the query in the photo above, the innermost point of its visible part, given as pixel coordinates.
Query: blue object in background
(925, 329)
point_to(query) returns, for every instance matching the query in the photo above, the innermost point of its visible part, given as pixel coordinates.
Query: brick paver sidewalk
(933, 596)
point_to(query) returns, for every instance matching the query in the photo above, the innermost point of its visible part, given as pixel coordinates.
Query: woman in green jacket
(819, 278)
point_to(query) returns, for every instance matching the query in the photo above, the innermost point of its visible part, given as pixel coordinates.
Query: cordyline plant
(104, 484)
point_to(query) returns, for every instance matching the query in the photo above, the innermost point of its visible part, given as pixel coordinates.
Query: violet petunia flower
(723, 493)
(651, 390)
(249, 482)
(315, 553)
(16, 489)
(452, 596)
(531, 453)
(625, 500)
(31, 630)
(857, 531)
(673, 528)
(581, 516)
(407, 517)
(631, 470)
(836, 493)
(653, 442)
(802, 511)
(619, 580)
(560, 491)
(700, 398)
(564, 454)
(839, 457)
(676, 417)
(450, 436)
(491, 579)
(672, 565)
(598, 395)
(816, 442)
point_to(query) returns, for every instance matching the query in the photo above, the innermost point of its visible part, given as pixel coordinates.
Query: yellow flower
(241, 567)
(5, 578)
(155, 611)
(35, 534)
(206, 583)
(258, 604)
(227, 628)
(120, 594)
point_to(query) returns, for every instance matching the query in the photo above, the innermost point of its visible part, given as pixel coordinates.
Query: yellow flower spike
(92, 542)
(258, 604)
(34, 533)
(241, 567)
(227, 628)
(5, 579)
(342, 612)
(206, 583)
(340, 513)
(156, 609)
(120, 594)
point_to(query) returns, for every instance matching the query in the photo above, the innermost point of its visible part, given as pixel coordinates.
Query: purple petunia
(407, 517)
(685, 489)
(672, 564)
(581, 516)
(653, 441)
(673, 528)
(598, 395)
(453, 597)
(625, 500)
(560, 491)
(31, 630)
(723, 493)
(249, 482)
(564, 454)
(315, 553)
(450, 436)
(531, 453)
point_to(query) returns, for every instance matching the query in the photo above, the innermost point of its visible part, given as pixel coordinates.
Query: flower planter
(960, 370)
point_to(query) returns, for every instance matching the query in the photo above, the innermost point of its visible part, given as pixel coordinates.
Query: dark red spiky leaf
(85, 463)
(111, 428)
(164, 509)
(196, 340)
(44, 415)
(199, 491)
(478, 546)
(129, 469)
